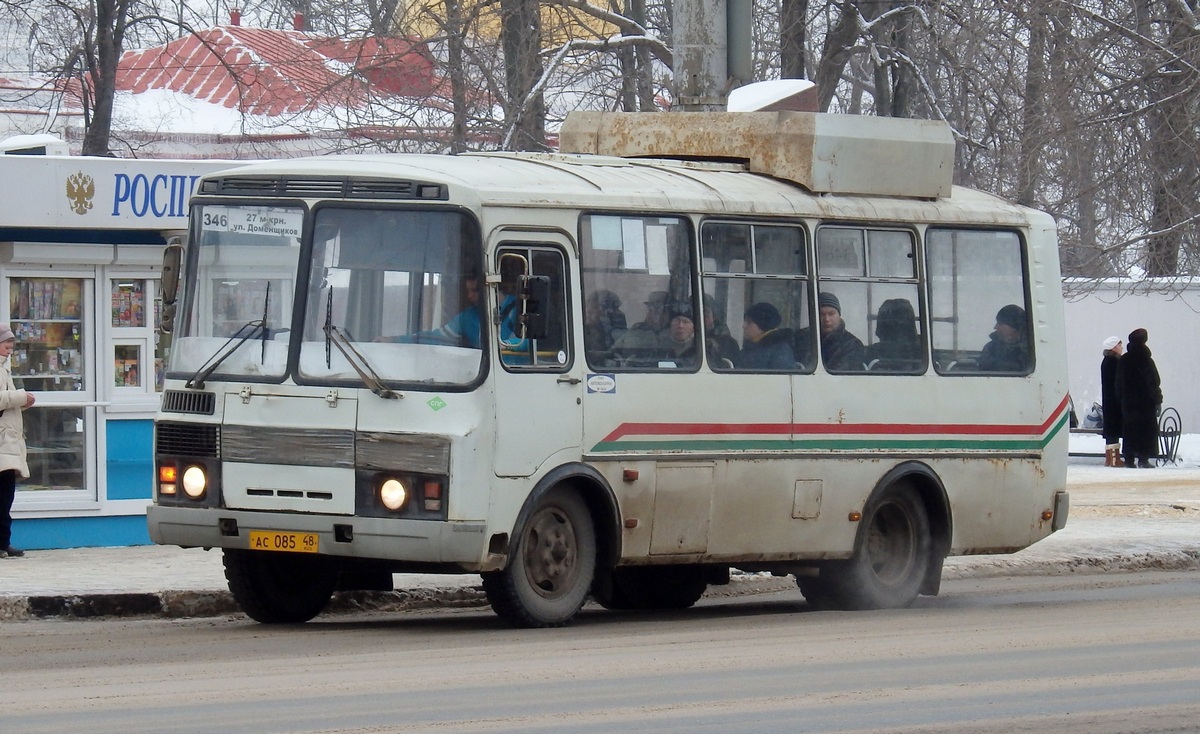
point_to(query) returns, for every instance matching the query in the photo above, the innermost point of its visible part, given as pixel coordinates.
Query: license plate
(274, 540)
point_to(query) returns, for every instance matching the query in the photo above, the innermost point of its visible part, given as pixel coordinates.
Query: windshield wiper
(251, 329)
(368, 375)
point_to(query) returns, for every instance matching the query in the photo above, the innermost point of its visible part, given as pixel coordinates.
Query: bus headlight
(194, 482)
(393, 494)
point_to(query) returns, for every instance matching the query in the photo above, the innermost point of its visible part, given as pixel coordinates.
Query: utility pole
(712, 52)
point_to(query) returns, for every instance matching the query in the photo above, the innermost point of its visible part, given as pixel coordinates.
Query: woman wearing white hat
(12, 441)
(1110, 404)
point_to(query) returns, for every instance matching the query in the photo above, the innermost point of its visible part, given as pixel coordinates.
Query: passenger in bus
(840, 350)
(766, 346)
(719, 345)
(648, 337)
(899, 345)
(603, 320)
(681, 337)
(1008, 347)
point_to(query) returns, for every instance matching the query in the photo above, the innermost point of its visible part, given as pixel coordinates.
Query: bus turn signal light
(167, 477)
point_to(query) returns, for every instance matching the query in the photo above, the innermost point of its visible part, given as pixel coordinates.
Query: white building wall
(1171, 314)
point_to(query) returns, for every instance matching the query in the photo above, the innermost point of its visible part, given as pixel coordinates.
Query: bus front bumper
(417, 541)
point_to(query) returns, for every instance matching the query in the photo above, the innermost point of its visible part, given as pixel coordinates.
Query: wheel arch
(597, 495)
(932, 493)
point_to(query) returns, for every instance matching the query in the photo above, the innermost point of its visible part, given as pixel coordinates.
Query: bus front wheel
(279, 588)
(891, 556)
(550, 572)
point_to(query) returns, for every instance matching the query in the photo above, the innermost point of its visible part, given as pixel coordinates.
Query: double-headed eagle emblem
(80, 190)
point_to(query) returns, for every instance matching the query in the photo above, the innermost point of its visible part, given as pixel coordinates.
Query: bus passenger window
(979, 314)
(756, 297)
(869, 300)
(638, 302)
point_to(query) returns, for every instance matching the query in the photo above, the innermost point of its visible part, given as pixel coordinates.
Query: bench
(1170, 428)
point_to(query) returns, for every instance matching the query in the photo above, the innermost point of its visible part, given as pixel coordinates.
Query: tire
(659, 587)
(891, 557)
(550, 572)
(818, 592)
(279, 588)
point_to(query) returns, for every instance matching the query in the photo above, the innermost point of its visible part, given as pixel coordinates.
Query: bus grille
(339, 187)
(187, 439)
(180, 401)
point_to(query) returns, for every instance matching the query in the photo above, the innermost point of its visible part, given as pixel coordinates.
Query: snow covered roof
(259, 71)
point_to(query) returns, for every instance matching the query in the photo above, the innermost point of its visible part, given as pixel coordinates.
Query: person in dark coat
(1140, 393)
(1008, 347)
(899, 345)
(1110, 406)
(766, 346)
(840, 350)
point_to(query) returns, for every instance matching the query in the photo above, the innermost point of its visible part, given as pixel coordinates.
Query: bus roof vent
(336, 187)
(835, 154)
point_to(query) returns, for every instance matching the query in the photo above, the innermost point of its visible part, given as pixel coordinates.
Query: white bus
(771, 342)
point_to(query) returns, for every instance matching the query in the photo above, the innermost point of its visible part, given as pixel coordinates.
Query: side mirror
(172, 262)
(535, 290)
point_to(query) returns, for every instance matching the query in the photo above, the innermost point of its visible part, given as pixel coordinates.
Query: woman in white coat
(12, 441)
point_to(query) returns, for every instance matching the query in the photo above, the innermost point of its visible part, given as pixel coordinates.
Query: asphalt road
(1097, 654)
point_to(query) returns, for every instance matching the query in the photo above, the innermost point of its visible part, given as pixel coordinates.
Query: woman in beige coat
(12, 441)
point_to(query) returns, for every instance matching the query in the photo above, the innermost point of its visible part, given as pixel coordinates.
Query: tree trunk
(520, 37)
(111, 17)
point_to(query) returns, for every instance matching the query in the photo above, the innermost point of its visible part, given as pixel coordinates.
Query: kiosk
(81, 242)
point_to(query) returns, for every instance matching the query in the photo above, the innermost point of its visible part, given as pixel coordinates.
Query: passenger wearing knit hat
(764, 316)
(6, 333)
(1012, 316)
(1111, 342)
(766, 347)
(1138, 336)
(1008, 348)
(841, 351)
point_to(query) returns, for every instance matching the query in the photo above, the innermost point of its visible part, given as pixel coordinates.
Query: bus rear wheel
(891, 557)
(279, 588)
(550, 572)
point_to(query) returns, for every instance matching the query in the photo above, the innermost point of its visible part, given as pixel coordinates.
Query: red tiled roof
(272, 72)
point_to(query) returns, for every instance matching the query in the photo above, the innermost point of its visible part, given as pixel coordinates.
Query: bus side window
(979, 313)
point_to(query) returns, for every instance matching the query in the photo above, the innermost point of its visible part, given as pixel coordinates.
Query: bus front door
(537, 378)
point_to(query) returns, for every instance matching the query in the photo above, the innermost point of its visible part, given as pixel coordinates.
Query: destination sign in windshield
(258, 220)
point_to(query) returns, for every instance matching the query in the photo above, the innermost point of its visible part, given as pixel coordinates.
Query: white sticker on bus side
(602, 383)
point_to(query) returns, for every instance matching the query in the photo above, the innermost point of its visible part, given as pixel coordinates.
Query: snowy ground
(1189, 448)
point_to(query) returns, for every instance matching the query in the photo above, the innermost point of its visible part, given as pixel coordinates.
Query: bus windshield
(238, 308)
(393, 293)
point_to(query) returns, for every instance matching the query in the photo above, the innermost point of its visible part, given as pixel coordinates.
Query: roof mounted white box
(836, 154)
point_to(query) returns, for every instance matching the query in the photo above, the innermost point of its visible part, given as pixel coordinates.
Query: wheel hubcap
(890, 544)
(550, 551)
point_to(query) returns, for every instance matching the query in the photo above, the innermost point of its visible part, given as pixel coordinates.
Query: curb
(217, 603)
